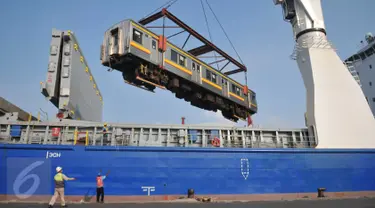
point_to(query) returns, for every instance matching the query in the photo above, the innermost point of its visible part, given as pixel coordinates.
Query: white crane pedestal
(337, 111)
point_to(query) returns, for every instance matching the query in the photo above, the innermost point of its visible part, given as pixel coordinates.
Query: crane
(338, 114)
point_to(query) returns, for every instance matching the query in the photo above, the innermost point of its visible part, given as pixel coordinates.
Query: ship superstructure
(362, 66)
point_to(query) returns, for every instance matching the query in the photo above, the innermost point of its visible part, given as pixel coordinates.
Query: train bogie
(148, 61)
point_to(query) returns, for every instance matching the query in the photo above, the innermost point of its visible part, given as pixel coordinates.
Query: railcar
(148, 60)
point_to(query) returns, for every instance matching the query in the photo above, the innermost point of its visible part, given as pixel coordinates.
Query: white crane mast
(337, 111)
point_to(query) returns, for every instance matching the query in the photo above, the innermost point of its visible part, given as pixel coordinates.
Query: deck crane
(338, 114)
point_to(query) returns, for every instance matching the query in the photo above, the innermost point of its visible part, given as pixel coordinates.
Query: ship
(149, 162)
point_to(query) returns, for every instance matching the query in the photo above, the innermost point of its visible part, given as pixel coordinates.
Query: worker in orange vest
(100, 186)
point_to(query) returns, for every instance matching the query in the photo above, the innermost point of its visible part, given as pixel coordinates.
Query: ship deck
(322, 203)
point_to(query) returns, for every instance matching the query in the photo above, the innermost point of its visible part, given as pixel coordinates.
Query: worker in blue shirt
(100, 186)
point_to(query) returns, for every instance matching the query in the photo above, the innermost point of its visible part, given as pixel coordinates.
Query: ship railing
(177, 136)
(171, 140)
(352, 69)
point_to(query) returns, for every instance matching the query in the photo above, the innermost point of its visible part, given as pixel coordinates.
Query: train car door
(196, 73)
(154, 56)
(114, 42)
(225, 87)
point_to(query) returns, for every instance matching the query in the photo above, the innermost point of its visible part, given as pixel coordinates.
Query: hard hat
(58, 169)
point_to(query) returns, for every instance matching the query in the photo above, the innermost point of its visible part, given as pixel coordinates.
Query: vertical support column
(168, 136)
(7, 132)
(149, 136)
(87, 138)
(25, 139)
(277, 139)
(228, 139)
(76, 131)
(113, 137)
(8, 129)
(159, 137)
(46, 134)
(102, 138)
(243, 139)
(66, 133)
(75, 136)
(141, 141)
(304, 143)
(204, 139)
(132, 137)
(221, 138)
(22, 137)
(94, 136)
(235, 138)
(186, 138)
(60, 135)
(294, 140)
(252, 138)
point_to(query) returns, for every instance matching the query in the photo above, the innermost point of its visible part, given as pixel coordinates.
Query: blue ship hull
(140, 171)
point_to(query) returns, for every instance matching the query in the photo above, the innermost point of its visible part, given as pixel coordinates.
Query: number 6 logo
(22, 177)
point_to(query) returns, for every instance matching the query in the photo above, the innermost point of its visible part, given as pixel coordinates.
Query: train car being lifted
(147, 60)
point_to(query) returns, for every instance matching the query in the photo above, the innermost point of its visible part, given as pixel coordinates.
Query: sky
(256, 28)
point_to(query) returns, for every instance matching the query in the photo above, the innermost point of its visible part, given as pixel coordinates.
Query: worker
(104, 130)
(100, 186)
(59, 187)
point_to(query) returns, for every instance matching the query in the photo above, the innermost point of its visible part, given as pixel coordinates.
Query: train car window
(213, 78)
(238, 91)
(114, 34)
(208, 74)
(153, 44)
(182, 60)
(173, 55)
(224, 81)
(137, 36)
(196, 66)
(115, 39)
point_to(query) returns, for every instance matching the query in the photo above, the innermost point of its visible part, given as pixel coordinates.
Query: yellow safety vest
(59, 180)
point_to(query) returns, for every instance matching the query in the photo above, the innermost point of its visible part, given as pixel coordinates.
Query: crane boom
(338, 114)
